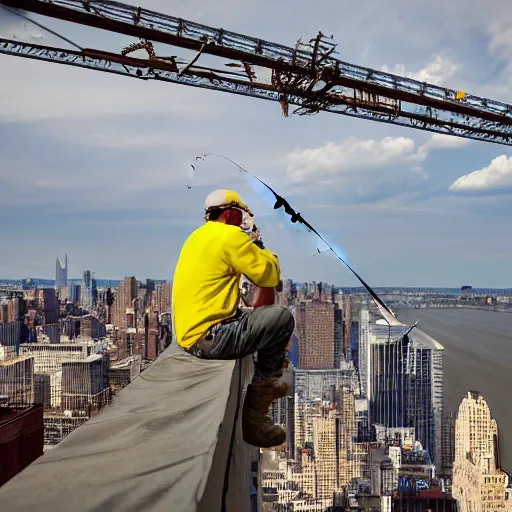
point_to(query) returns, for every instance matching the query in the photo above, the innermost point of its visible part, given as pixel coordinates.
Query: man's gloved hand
(252, 230)
(256, 237)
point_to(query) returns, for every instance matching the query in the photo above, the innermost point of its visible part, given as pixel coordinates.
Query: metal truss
(307, 76)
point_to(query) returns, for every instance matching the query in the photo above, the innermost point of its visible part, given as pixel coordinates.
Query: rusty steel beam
(155, 69)
(295, 72)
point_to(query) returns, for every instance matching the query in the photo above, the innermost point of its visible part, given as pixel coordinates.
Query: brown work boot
(272, 388)
(258, 429)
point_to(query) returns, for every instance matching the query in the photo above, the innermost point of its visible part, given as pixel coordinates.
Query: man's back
(205, 287)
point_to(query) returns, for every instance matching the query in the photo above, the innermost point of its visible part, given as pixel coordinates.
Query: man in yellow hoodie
(207, 320)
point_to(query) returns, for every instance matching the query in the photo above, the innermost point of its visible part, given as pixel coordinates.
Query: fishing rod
(296, 217)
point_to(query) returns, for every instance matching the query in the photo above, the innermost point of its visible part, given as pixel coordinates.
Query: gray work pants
(265, 331)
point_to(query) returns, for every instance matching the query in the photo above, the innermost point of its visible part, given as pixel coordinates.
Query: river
(478, 357)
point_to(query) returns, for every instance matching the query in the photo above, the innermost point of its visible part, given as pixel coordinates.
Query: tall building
(46, 306)
(479, 484)
(353, 454)
(316, 335)
(17, 380)
(88, 291)
(12, 309)
(82, 380)
(363, 353)
(338, 336)
(127, 292)
(85, 327)
(10, 336)
(326, 432)
(406, 383)
(75, 293)
(448, 444)
(389, 376)
(61, 274)
(161, 297)
(427, 393)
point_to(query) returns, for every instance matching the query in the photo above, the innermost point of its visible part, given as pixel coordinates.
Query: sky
(97, 166)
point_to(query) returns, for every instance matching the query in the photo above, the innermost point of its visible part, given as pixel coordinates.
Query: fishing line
(296, 217)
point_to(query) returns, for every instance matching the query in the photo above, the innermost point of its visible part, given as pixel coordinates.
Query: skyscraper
(126, 294)
(479, 484)
(406, 383)
(363, 353)
(316, 335)
(326, 433)
(86, 290)
(89, 291)
(61, 274)
(427, 393)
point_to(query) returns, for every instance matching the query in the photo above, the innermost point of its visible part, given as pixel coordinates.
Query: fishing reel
(249, 227)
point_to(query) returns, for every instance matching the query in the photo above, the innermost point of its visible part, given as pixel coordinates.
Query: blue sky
(96, 165)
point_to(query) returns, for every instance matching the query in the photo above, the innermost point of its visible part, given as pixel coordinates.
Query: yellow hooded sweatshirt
(206, 280)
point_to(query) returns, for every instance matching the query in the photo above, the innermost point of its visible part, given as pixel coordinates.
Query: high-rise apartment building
(61, 274)
(479, 484)
(406, 383)
(316, 335)
(326, 433)
(161, 298)
(127, 292)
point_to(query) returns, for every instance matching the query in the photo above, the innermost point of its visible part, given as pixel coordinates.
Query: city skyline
(387, 397)
(62, 272)
(365, 412)
(114, 172)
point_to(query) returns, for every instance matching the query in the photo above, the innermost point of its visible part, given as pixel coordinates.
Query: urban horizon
(228, 386)
(76, 343)
(114, 282)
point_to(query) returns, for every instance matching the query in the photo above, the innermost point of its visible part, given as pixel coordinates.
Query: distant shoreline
(480, 308)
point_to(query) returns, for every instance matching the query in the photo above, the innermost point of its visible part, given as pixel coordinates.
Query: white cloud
(352, 155)
(437, 72)
(497, 176)
(440, 141)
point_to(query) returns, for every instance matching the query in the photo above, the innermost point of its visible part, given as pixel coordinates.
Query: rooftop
(421, 338)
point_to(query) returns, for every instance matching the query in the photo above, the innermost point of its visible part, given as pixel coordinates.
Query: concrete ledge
(164, 445)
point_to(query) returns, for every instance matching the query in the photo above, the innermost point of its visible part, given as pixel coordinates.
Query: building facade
(61, 274)
(479, 484)
(406, 383)
(316, 335)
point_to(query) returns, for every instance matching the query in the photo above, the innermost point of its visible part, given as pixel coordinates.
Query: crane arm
(307, 76)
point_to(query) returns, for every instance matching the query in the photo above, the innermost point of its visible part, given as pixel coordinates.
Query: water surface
(478, 356)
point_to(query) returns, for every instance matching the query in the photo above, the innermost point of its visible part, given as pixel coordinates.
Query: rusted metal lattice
(307, 76)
